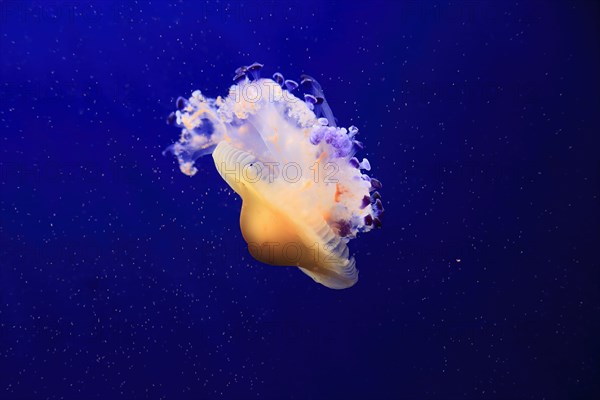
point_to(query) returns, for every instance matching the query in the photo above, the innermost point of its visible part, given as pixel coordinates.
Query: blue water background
(121, 278)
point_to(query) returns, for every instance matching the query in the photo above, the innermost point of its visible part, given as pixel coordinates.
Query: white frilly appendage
(296, 140)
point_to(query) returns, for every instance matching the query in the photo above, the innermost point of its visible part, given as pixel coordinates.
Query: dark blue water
(121, 278)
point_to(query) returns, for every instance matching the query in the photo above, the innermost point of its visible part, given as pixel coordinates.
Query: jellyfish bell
(280, 225)
(304, 194)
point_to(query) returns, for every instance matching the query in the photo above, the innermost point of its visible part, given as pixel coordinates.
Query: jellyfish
(304, 192)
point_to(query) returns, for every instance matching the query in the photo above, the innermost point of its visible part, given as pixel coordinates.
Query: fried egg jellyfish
(304, 193)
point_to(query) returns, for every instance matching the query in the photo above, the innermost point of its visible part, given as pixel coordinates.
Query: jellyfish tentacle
(321, 107)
